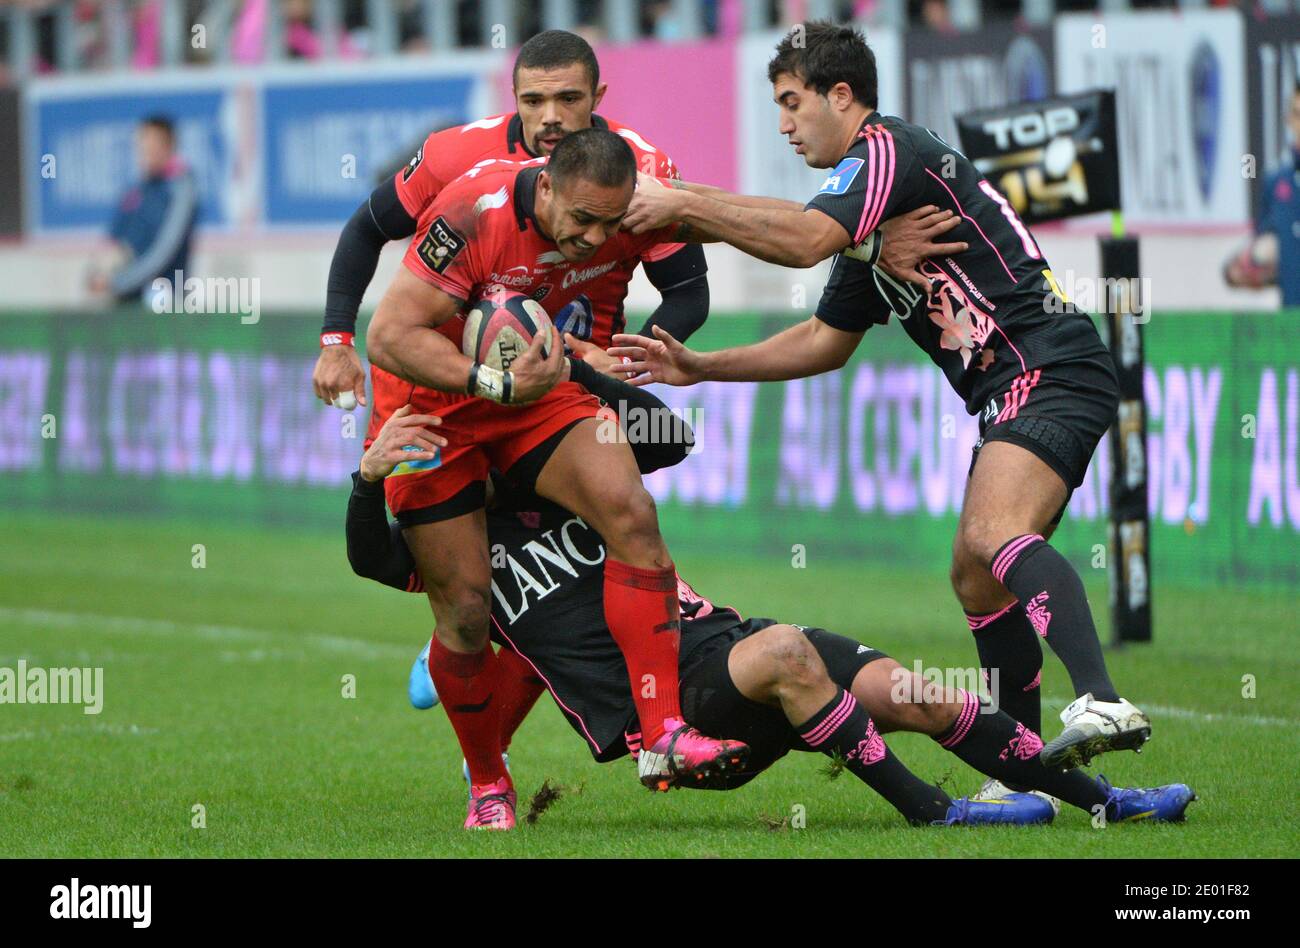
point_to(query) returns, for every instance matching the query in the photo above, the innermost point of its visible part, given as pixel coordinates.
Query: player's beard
(549, 132)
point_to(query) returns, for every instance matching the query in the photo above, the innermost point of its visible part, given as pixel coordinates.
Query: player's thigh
(898, 699)
(596, 477)
(1011, 491)
(453, 560)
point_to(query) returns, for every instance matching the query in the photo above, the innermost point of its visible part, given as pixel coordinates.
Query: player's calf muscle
(901, 700)
(462, 620)
(458, 583)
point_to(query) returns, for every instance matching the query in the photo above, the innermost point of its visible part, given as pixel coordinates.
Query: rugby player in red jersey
(557, 88)
(551, 229)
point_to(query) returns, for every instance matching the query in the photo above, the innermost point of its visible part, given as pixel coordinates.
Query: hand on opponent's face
(654, 205)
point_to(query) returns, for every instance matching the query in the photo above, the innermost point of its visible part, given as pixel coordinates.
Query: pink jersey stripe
(869, 197)
(880, 181)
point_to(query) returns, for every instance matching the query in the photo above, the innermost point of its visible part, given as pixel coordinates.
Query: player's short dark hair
(163, 123)
(823, 54)
(555, 49)
(593, 154)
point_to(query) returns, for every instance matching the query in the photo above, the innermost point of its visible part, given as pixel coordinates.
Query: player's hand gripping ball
(501, 325)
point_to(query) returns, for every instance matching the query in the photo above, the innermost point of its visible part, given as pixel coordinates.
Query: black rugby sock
(843, 730)
(1052, 594)
(1007, 643)
(999, 746)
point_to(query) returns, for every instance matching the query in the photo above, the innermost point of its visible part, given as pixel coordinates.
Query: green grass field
(224, 688)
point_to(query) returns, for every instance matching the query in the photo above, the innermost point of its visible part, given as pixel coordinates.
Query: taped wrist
(492, 384)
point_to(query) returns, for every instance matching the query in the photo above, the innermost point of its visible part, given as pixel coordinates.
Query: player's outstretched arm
(379, 219)
(810, 348)
(779, 232)
(740, 200)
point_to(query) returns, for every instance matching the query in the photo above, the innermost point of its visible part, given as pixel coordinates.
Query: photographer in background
(154, 223)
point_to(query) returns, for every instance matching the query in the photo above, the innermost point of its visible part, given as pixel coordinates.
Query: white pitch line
(1256, 719)
(1191, 714)
(89, 621)
(337, 643)
(89, 727)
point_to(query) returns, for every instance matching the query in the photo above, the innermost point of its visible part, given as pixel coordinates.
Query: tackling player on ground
(1030, 365)
(780, 687)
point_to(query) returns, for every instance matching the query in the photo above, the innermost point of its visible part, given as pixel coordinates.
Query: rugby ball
(501, 325)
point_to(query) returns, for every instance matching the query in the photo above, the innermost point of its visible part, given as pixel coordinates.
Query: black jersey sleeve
(380, 219)
(851, 300)
(376, 549)
(657, 452)
(683, 283)
(871, 183)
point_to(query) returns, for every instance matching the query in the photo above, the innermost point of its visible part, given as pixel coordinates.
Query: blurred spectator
(154, 223)
(147, 49)
(1273, 254)
(934, 14)
(301, 41)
